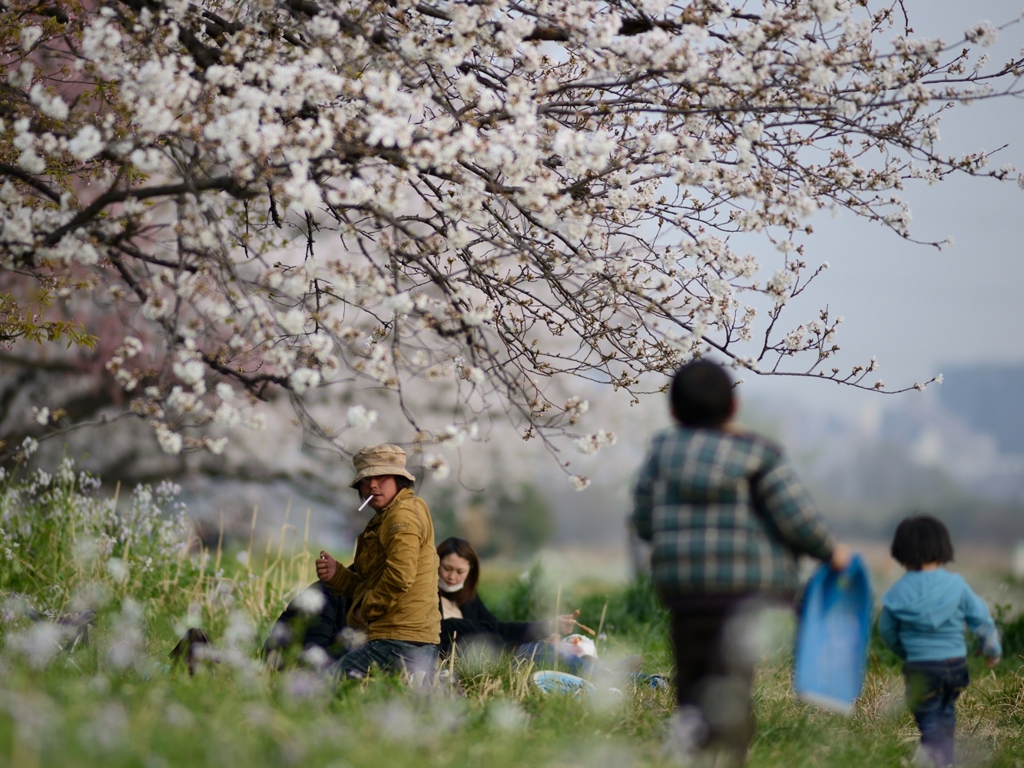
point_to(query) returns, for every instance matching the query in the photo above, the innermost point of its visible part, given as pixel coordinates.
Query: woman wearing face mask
(464, 617)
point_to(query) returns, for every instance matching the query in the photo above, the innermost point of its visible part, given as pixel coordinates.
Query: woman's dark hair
(456, 546)
(921, 539)
(701, 394)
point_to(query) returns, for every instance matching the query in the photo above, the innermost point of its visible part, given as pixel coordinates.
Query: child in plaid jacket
(727, 519)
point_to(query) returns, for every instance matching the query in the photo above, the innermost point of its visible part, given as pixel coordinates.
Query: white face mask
(445, 588)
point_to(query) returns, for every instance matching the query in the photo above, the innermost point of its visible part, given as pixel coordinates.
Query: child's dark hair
(701, 394)
(919, 540)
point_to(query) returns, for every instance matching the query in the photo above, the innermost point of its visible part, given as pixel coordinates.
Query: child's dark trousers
(932, 690)
(711, 678)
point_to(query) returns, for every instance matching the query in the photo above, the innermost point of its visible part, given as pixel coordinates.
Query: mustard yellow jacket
(393, 580)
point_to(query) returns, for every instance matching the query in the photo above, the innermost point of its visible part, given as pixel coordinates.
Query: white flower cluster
(591, 444)
(326, 194)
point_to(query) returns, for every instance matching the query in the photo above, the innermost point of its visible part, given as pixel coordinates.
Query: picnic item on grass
(551, 682)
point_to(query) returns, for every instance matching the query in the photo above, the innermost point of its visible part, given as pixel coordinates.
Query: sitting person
(466, 620)
(391, 583)
(314, 619)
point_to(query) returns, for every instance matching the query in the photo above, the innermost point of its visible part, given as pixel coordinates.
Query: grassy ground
(116, 702)
(227, 716)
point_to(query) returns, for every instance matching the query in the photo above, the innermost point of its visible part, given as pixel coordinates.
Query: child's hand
(841, 557)
(992, 662)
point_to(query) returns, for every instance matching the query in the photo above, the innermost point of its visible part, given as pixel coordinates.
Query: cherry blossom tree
(487, 199)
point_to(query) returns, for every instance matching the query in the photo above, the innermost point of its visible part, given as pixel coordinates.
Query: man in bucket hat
(392, 584)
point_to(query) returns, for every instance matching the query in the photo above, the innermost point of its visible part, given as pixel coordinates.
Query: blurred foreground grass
(115, 702)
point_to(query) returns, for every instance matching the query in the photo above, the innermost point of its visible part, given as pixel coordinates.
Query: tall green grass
(115, 701)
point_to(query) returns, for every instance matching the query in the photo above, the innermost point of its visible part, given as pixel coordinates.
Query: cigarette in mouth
(365, 502)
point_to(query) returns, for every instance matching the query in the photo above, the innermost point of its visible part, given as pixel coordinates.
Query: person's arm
(401, 536)
(785, 504)
(888, 628)
(338, 579)
(507, 632)
(475, 610)
(643, 497)
(979, 621)
(478, 620)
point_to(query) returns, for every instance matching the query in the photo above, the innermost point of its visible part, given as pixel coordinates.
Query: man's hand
(564, 624)
(992, 662)
(326, 567)
(841, 557)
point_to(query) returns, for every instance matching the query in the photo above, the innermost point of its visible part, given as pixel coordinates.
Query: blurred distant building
(990, 398)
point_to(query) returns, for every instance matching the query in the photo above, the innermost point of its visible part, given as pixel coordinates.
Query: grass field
(116, 702)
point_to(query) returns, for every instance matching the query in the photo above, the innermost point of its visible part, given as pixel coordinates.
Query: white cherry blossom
(487, 206)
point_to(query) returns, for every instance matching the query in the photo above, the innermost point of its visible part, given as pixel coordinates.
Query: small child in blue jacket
(922, 621)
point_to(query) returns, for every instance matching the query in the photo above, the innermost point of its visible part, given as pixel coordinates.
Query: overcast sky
(917, 309)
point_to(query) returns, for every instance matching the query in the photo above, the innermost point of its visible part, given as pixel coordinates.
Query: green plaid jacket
(725, 513)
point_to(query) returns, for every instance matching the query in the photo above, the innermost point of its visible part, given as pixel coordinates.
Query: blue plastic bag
(833, 637)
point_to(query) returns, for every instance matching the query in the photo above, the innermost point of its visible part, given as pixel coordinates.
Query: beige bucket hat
(376, 460)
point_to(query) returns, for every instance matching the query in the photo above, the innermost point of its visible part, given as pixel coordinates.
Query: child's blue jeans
(932, 690)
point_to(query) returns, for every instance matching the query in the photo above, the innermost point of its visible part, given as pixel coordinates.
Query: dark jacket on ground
(296, 630)
(478, 624)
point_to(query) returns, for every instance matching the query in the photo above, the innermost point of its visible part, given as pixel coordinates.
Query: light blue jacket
(923, 617)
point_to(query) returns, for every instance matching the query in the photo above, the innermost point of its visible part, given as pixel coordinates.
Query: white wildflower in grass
(353, 638)
(108, 729)
(39, 644)
(239, 638)
(125, 646)
(35, 715)
(117, 569)
(315, 657)
(29, 446)
(303, 685)
(507, 716)
(396, 719)
(310, 601)
(179, 716)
